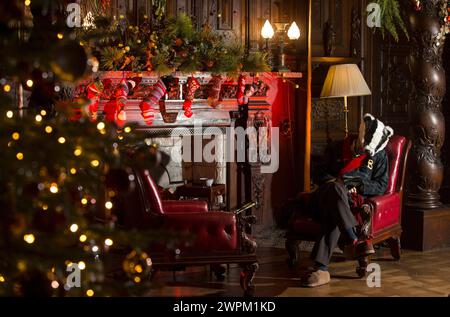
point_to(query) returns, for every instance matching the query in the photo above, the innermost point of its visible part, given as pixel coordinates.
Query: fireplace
(170, 129)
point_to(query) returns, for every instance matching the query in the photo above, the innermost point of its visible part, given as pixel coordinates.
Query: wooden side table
(207, 193)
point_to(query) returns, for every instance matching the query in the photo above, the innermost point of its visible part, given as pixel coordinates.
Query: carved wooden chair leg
(291, 246)
(394, 244)
(362, 266)
(246, 280)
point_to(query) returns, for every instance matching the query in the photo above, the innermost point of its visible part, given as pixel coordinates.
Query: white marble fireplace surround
(174, 171)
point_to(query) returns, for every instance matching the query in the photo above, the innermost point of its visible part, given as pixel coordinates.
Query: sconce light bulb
(267, 31)
(294, 31)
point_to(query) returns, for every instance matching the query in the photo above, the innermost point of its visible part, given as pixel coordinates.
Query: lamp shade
(344, 80)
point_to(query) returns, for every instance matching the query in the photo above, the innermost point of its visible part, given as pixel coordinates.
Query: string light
(74, 227)
(60, 36)
(137, 279)
(127, 129)
(2, 279)
(38, 118)
(108, 205)
(138, 268)
(100, 126)
(9, 114)
(61, 140)
(84, 201)
(29, 83)
(77, 151)
(83, 238)
(55, 284)
(95, 163)
(81, 265)
(7, 88)
(29, 238)
(27, 3)
(54, 188)
(48, 129)
(95, 248)
(90, 293)
(43, 112)
(21, 265)
(19, 156)
(73, 171)
(15, 136)
(108, 242)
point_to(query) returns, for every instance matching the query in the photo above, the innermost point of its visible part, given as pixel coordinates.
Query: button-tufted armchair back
(395, 152)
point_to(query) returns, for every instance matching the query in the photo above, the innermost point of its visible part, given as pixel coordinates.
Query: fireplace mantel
(203, 114)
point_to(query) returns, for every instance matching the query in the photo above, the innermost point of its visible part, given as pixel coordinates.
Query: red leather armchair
(383, 213)
(202, 237)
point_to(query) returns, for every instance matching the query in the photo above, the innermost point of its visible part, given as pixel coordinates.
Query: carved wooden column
(428, 128)
(426, 169)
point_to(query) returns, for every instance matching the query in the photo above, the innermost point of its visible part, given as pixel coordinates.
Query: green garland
(173, 44)
(391, 19)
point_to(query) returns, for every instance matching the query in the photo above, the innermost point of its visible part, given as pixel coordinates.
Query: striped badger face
(373, 134)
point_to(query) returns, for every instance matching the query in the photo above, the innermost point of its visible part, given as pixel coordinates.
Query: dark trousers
(331, 208)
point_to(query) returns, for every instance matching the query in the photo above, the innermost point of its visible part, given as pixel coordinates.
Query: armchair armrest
(184, 206)
(211, 231)
(384, 201)
(385, 211)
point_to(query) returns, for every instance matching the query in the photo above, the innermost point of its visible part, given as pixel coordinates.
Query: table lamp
(344, 80)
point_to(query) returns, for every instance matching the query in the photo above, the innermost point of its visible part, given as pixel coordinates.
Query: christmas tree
(58, 213)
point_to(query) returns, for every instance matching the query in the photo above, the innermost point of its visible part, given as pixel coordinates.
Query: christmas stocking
(214, 92)
(77, 108)
(249, 91)
(192, 86)
(151, 100)
(94, 91)
(121, 94)
(240, 90)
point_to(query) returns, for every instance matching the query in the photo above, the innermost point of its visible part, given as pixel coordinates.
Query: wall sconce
(267, 32)
(293, 33)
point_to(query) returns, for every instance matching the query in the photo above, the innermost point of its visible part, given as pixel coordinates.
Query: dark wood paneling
(385, 64)
(225, 15)
(391, 85)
